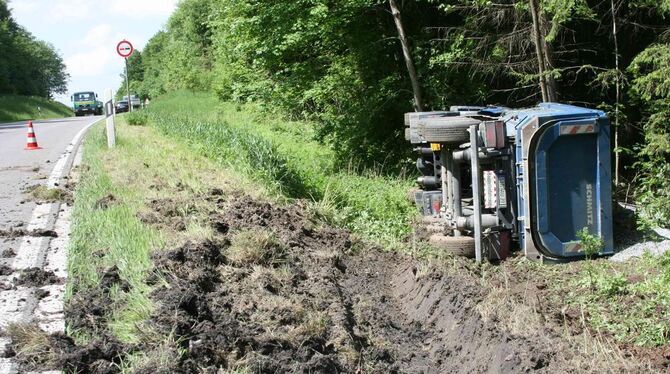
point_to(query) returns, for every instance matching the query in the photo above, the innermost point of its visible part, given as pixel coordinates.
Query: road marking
(30, 252)
(40, 218)
(59, 170)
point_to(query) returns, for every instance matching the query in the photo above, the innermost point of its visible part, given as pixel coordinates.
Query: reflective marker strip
(578, 129)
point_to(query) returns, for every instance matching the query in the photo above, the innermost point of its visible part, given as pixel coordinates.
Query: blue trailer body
(537, 177)
(563, 178)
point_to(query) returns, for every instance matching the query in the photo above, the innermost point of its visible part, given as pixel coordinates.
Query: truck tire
(456, 245)
(446, 130)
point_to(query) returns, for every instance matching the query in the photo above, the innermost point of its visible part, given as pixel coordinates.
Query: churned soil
(319, 302)
(276, 292)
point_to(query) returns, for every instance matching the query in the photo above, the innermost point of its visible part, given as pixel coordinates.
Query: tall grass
(283, 156)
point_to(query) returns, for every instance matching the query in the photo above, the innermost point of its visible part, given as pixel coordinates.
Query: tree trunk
(548, 54)
(618, 95)
(537, 36)
(418, 102)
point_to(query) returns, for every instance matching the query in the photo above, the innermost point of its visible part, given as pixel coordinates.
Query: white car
(134, 100)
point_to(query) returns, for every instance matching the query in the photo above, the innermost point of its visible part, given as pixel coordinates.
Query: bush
(137, 118)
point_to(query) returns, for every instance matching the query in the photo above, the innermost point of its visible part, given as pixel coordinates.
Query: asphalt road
(20, 168)
(25, 245)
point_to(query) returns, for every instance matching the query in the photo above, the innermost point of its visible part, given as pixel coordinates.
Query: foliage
(137, 118)
(28, 67)
(651, 87)
(628, 301)
(338, 65)
(592, 245)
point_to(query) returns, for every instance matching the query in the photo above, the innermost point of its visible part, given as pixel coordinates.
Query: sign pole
(125, 49)
(130, 102)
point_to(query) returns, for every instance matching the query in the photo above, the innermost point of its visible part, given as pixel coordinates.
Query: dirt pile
(17, 233)
(34, 350)
(277, 293)
(37, 277)
(88, 308)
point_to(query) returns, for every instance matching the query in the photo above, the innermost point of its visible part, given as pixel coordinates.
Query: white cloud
(99, 33)
(91, 63)
(143, 8)
(23, 6)
(67, 10)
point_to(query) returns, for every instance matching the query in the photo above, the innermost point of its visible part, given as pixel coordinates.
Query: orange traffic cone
(32, 140)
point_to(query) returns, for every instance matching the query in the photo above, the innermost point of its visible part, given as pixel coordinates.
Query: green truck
(86, 103)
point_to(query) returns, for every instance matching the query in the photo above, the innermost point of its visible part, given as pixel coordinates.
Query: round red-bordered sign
(124, 49)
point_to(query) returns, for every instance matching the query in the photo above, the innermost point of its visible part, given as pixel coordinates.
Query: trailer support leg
(446, 184)
(476, 196)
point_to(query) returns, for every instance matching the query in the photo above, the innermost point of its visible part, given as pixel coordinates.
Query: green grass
(629, 301)
(18, 108)
(284, 157)
(102, 238)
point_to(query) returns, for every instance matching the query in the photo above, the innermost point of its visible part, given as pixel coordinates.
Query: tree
(28, 66)
(407, 55)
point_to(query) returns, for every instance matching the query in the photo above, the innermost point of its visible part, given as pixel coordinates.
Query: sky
(86, 32)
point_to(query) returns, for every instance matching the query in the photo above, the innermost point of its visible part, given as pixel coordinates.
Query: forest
(347, 66)
(28, 67)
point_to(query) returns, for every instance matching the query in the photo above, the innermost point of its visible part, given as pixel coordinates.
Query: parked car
(134, 100)
(122, 106)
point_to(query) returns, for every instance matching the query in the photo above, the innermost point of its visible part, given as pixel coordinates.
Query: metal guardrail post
(476, 197)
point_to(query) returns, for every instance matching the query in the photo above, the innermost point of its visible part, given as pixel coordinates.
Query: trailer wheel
(457, 245)
(446, 130)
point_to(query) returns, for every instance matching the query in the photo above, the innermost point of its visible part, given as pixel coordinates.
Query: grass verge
(18, 108)
(117, 190)
(284, 157)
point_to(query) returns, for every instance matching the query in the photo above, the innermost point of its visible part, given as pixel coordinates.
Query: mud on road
(276, 292)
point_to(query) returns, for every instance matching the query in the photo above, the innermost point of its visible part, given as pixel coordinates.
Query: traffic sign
(124, 49)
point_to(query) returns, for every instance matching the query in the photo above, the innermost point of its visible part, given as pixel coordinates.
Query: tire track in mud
(381, 314)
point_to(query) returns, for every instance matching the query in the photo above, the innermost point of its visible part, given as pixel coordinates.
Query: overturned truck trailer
(541, 175)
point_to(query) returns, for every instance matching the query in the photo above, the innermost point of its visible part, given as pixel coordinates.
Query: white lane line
(30, 254)
(59, 170)
(49, 311)
(57, 256)
(12, 303)
(7, 366)
(40, 218)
